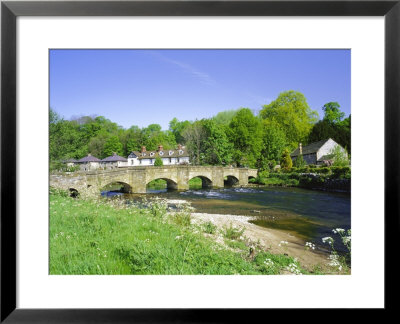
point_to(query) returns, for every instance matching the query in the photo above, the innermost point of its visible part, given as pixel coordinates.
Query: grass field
(111, 237)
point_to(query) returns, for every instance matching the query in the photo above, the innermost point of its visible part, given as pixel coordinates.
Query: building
(89, 163)
(70, 162)
(318, 153)
(169, 157)
(114, 161)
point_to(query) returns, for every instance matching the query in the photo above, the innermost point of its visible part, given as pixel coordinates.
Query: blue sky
(142, 87)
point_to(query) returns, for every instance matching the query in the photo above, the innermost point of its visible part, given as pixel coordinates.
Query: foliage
(292, 113)
(232, 232)
(216, 147)
(286, 160)
(332, 112)
(112, 145)
(299, 161)
(245, 132)
(158, 161)
(209, 228)
(339, 157)
(177, 128)
(223, 118)
(194, 136)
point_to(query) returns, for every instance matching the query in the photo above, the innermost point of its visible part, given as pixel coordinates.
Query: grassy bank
(110, 237)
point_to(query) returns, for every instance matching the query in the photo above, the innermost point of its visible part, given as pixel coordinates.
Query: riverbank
(267, 239)
(109, 236)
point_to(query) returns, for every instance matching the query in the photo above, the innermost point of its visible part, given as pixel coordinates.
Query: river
(308, 214)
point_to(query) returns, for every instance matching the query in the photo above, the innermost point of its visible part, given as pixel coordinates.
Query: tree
(286, 160)
(299, 162)
(112, 145)
(332, 112)
(339, 156)
(292, 113)
(158, 161)
(274, 142)
(194, 137)
(177, 128)
(216, 147)
(223, 118)
(245, 133)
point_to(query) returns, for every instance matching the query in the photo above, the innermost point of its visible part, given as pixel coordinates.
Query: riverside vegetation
(112, 237)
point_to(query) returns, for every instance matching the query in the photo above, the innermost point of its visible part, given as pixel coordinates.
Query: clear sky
(142, 87)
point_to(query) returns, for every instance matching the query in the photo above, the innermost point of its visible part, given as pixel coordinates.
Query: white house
(114, 161)
(318, 153)
(89, 163)
(169, 157)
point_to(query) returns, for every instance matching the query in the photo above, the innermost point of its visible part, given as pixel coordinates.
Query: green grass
(110, 237)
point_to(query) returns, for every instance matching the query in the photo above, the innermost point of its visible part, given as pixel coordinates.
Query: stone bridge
(135, 179)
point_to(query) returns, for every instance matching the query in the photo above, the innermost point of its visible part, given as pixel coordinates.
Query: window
(151, 153)
(180, 152)
(171, 152)
(161, 153)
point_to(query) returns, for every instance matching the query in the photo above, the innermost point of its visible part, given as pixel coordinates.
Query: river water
(308, 214)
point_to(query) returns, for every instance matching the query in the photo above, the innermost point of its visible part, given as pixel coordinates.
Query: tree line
(233, 137)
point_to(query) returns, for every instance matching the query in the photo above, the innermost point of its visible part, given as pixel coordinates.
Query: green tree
(223, 118)
(299, 162)
(216, 147)
(274, 142)
(177, 128)
(339, 157)
(292, 113)
(158, 161)
(286, 160)
(194, 138)
(332, 113)
(112, 145)
(245, 133)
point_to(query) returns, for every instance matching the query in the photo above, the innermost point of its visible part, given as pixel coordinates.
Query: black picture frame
(10, 10)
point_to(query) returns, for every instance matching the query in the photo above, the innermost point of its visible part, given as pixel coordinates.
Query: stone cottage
(318, 153)
(89, 163)
(70, 162)
(114, 161)
(169, 157)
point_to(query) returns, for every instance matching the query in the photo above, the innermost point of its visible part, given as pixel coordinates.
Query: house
(89, 163)
(318, 153)
(169, 157)
(113, 161)
(70, 162)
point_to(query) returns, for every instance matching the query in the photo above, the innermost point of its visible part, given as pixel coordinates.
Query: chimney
(89, 154)
(160, 148)
(114, 153)
(143, 149)
(300, 149)
(179, 146)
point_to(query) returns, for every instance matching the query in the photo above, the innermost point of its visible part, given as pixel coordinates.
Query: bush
(341, 173)
(158, 162)
(299, 162)
(286, 160)
(232, 233)
(209, 228)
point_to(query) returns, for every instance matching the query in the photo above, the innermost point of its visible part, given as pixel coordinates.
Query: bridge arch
(230, 181)
(115, 185)
(205, 181)
(171, 184)
(74, 193)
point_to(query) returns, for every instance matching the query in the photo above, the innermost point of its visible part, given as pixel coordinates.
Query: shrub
(232, 233)
(299, 162)
(209, 228)
(286, 160)
(182, 219)
(158, 161)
